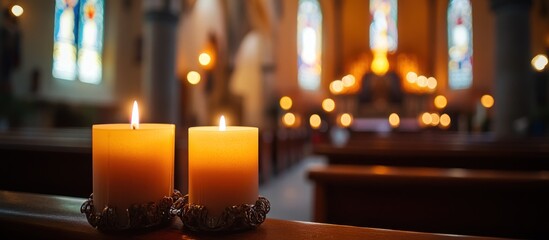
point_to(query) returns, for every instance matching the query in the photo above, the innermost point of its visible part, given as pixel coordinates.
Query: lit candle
(223, 166)
(132, 163)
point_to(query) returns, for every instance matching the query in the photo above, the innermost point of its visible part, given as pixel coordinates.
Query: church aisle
(291, 193)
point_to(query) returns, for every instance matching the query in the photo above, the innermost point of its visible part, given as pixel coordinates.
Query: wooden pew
(439, 150)
(498, 203)
(51, 161)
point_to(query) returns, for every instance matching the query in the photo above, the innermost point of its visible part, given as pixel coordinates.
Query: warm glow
(135, 116)
(394, 120)
(315, 121)
(193, 77)
(422, 81)
(539, 62)
(346, 119)
(288, 119)
(440, 102)
(222, 125)
(328, 104)
(349, 80)
(411, 77)
(431, 83)
(444, 120)
(380, 170)
(426, 118)
(380, 64)
(487, 101)
(17, 10)
(435, 119)
(336, 87)
(285, 103)
(204, 59)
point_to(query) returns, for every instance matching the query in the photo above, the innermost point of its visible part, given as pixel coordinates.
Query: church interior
(415, 116)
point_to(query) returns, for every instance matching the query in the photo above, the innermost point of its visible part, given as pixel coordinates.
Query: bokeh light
(315, 121)
(487, 101)
(539, 62)
(328, 105)
(17, 10)
(204, 59)
(346, 119)
(394, 120)
(286, 103)
(440, 102)
(288, 119)
(193, 77)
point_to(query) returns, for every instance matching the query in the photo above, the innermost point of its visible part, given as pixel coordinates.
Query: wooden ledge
(27, 216)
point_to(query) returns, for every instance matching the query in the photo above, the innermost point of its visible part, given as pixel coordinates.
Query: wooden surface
(471, 202)
(448, 150)
(27, 216)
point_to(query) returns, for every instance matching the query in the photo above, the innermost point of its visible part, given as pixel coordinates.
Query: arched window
(460, 44)
(78, 40)
(309, 44)
(383, 28)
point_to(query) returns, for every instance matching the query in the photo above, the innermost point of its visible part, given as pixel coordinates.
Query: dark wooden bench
(499, 203)
(439, 150)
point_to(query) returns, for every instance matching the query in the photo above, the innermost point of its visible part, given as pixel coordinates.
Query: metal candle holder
(138, 216)
(234, 218)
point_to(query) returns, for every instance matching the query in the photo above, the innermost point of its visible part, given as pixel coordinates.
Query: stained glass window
(460, 44)
(78, 40)
(383, 27)
(309, 44)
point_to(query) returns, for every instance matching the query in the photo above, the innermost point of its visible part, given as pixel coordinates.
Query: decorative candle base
(234, 218)
(138, 216)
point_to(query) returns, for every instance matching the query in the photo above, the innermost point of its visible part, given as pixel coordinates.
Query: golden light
(422, 81)
(426, 118)
(539, 62)
(487, 101)
(346, 119)
(222, 125)
(134, 123)
(431, 83)
(348, 80)
(288, 119)
(204, 59)
(435, 119)
(445, 120)
(336, 86)
(17, 10)
(380, 64)
(380, 170)
(394, 120)
(411, 77)
(440, 102)
(286, 103)
(315, 121)
(328, 104)
(193, 77)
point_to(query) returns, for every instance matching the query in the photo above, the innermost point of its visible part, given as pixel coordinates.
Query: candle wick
(133, 127)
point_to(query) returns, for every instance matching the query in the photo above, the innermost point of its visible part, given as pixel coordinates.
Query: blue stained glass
(78, 40)
(460, 44)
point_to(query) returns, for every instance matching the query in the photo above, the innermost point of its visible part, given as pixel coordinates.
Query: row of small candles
(134, 163)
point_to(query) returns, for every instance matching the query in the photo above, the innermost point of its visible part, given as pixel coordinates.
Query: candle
(223, 166)
(132, 163)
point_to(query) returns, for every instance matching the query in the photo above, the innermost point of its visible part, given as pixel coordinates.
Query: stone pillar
(513, 90)
(160, 86)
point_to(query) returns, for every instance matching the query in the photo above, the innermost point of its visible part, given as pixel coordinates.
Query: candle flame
(135, 116)
(222, 125)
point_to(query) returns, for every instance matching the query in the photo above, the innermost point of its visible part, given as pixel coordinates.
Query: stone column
(160, 85)
(513, 90)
